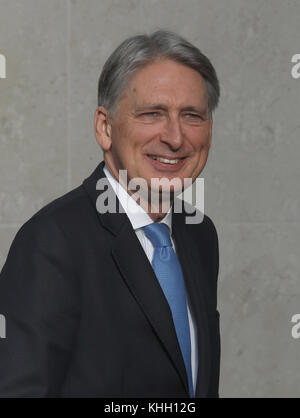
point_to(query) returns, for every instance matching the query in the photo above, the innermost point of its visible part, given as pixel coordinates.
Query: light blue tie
(169, 274)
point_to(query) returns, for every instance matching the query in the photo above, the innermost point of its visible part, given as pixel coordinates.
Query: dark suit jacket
(85, 314)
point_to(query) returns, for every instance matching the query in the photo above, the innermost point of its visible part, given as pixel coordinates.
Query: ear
(103, 128)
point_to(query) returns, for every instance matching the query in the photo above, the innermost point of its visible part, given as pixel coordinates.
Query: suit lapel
(193, 272)
(143, 284)
(139, 276)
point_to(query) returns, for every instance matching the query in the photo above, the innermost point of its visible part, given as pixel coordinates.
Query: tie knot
(159, 235)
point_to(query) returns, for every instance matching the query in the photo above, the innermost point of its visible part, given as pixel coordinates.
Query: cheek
(200, 139)
(145, 132)
(122, 141)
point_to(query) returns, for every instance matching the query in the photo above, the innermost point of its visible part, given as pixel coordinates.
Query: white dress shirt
(139, 218)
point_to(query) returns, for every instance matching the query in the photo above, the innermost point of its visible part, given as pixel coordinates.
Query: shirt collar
(138, 217)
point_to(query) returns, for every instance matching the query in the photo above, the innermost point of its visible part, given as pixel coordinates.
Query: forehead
(167, 81)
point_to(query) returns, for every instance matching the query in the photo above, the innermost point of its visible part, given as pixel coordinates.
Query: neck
(156, 208)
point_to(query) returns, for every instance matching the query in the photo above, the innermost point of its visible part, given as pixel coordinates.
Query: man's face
(163, 113)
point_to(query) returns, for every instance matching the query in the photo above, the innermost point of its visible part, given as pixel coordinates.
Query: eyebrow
(159, 106)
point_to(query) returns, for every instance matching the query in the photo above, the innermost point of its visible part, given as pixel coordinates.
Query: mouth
(165, 163)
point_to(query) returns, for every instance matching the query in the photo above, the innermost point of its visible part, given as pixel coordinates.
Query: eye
(150, 117)
(153, 114)
(193, 115)
(194, 118)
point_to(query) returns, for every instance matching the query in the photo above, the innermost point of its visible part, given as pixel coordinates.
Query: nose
(174, 135)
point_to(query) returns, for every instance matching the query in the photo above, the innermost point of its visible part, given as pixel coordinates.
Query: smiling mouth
(165, 160)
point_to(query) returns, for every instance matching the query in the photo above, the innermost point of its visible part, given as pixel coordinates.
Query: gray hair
(137, 51)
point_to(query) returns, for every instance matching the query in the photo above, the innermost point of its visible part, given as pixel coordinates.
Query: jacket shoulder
(59, 210)
(45, 229)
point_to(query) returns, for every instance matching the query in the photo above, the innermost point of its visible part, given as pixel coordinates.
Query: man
(123, 303)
